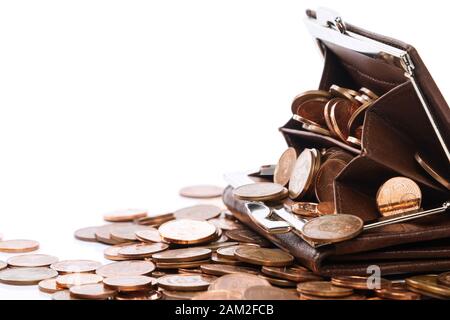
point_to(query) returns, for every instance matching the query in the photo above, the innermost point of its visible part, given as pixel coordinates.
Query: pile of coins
(337, 113)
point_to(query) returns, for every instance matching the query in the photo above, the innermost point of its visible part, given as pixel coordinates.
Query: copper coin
(308, 95)
(218, 295)
(435, 170)
(350, 297)
(340, 113)
(127, 233)
(397, 294)
(130, 283)
(228, 252)
(155, 220)
(357, 282)
(75, 266)
(285, 166)
(148, 235)
(398, 195)
(357, 118)
(302, 175)
(305, 209)
(279, 282)
(312, 110)
(76, 279)
(182, 255)
(178, 265)
(327, 207)
(92, 291)
(179, 295)
(428, 284)
(345, 93)
(125, 215)
(324, 183)
(295, 273)
(142, 250)
(103, 233)
(26, 276)
(227, 261)
(213, 246)
(223, 269)
(226, 224)
(264, 256)
(268, 293)
(333, 228)
(86, 234)
(317, 129)
(304, 121)
(186, 231)
(238, 282)
(185, 282)
(247, 236)
(354, 141)
(444, 279)
(190, 271)
(259, 191)
(323, 289)
(3, 265)
(18, 246)
(63, 295)
(201, 191)
(369, 93)
(198, 212)
(112, 252)
(126, 268)
(327, 112)
(145, 295)
(49, 286)
(32, 260)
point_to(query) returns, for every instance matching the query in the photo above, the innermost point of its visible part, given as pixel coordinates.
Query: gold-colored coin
(428, 284)
(201, 191)
(103, 233)
(130, 283)
(92, 291)
(247, 236)
(148, 235)
(302, 176)
(323, 289)
(264, 256)
(397, 294)
(285, 166)
(223, 269)
(268, 293)
(444, 279)
(112, 252)
(26, 276)
(126, 268)
(139, 295)
(238, 282)
(358, 282)
(308, 95)
(49, 286)
(435, 170)
(226, 224)
(184, 231)
(66, 281)
(86, 234)
(398, 195)
(155, 220)
(185, 282)
(75, 266)
(125, 215)
(182, 255)
(305, 209)
(294, 273)
(18, 246)
(218, 295)
(316, 129)
(260, 191)
(279, 282)
(127, 233)
(333, 228)
(141, 250)
(31, 260)
(177, 265)
(198, 212)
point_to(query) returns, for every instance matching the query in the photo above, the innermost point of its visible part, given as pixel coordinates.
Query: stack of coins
(337, 113)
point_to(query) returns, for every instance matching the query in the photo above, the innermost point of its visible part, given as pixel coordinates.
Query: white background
(117, 104)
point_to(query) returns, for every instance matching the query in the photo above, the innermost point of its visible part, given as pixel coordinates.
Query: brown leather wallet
(410, 116)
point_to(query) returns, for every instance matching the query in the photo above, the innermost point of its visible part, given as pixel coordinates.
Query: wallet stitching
(353, 68)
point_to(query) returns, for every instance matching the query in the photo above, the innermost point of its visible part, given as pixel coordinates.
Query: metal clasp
(330, 18)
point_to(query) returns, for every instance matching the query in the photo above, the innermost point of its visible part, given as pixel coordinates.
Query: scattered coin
(268, 293)
(49, 286)
(112, 252)
(185, 282)
(63, 295)
(75, 266)
(26, 276)
(145, 295)
(227, 261)
(237, 282)
(86, 234)
(201, 191)
(155, 220)
(126, 268)
(198, 212)
(95, 291)
(304, 209)
(177, 265)
(31, 260)
(103, 233)
(398, 195)
(225, 224)
(141, 250)
(302, 175)
(333, 228)
(18, 246)
(182, 255)
(130, 283)
(264, 256)
(190, 271)
(323, 289)
(247, 236)
(223, 269)
(125, 215)
(397, 294)
(218, 295)
(444, 279)
(148, 235)
(228, 252)
(294, 273)
(358, 282)
(76, 279)
(279, 282)
(260, 191)
(179, 295)
(428, 284)
(127, 233)
(350, 297)
(184, 231)
(285, 166)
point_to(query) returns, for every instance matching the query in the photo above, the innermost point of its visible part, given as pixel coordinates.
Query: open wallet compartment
(410, 116)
